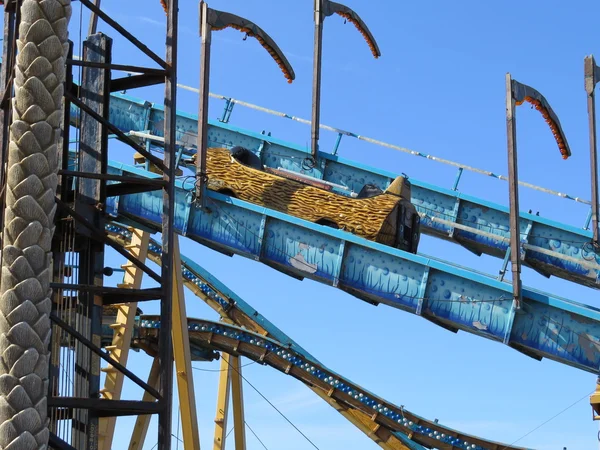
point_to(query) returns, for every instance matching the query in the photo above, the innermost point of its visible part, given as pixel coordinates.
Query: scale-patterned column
(29, 223)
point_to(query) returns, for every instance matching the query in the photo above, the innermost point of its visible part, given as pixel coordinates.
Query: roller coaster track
(235, 310)
(237, 341)
(549, 247)
(263, 342)
(453, 297)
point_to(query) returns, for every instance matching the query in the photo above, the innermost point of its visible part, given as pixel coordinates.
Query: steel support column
(323, 9)
(221, 417)
(237, 393)
(213, 19)
(183, 358)
(591, 78)
(516, 94)
(165, 354)
(316, 93)
(513, 186)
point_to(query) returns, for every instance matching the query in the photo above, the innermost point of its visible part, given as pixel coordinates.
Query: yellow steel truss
(380, 435)
(230, 381)
(222, 404)
(239, 423)
(119, 350)
(183, 358)
(143, 422)
(122, 332)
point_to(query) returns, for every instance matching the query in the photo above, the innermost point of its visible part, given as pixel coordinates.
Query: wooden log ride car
(387, 217)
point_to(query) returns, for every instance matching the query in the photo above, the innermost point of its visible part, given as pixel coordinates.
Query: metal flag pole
(516, 94)
(214, 20)
(323, 9)
(592, 75)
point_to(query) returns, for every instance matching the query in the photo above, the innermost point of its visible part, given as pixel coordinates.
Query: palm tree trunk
(25, 292)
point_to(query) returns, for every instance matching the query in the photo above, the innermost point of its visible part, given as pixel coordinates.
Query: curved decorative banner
(330, 8)
(219, 20)
(523, 93)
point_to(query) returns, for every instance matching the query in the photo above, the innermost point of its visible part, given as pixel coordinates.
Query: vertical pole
(222, 403)
(316, 99)
(239, 422)
(183, 358)
(513, 187)
(93, 159)
(165, 352)
(94, 19)
(205, 33)
(590, 84)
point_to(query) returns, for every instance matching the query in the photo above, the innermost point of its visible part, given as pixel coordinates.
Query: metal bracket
(454, 216)
(421, 294)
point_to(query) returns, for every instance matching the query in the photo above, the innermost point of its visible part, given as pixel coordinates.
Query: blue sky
(438, 88)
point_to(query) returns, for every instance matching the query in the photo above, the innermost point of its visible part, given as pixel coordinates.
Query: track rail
(549, 247)
(240, 342)
(451, 296)
(236, 311)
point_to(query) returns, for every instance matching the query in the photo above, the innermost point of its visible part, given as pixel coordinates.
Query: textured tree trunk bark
(25, 302)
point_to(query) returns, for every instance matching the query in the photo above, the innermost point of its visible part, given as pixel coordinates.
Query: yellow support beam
(381, 436)
(183, 358)
(143, 422)
(122, 332)
(222, 403)
(239, 422)
(595, 401)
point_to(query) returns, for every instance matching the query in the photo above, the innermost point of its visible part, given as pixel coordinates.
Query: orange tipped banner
(330, 8)
(219, 20)
(523, 93)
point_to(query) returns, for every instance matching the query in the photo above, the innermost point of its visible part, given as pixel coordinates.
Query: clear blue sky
(438, 88)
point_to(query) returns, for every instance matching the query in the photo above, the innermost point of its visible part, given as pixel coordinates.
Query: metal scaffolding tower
(78, 407)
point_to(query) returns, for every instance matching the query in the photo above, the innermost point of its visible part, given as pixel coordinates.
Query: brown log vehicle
(387, 217)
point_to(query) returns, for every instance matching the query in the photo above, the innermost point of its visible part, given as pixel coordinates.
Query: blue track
(549, 247)
(451, 296)
(268, 351)
(210, 287)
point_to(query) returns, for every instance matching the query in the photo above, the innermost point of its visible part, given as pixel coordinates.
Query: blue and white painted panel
(278, 156)
(565, 249)
(558, 335)
(432, 205)
(353, 178)
(468, 305)
(382, 277)
(228, 226)
(302, 251)
(452, 295)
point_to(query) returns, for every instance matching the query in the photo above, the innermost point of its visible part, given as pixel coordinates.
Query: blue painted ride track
(278, 350)
(448, 295)
(549, 247)
(205, 286)
(453, 297)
